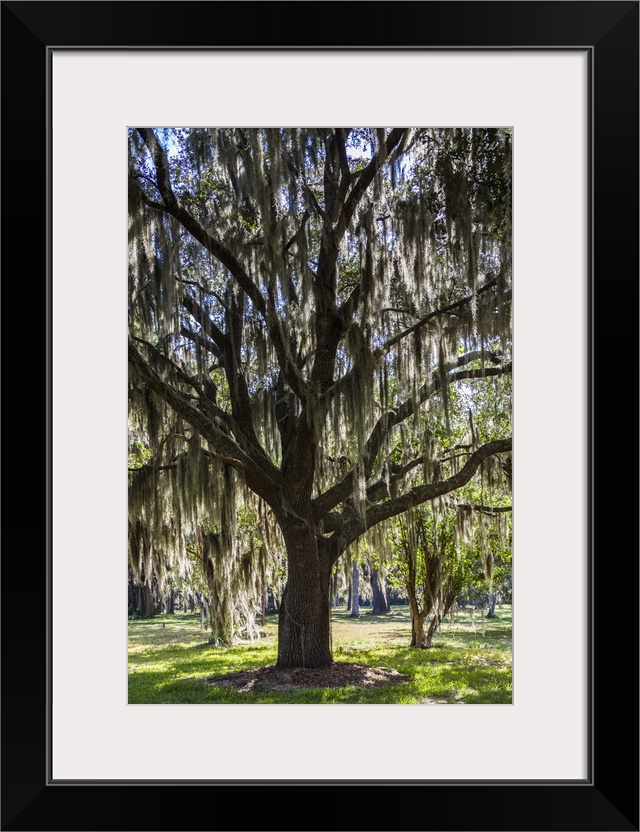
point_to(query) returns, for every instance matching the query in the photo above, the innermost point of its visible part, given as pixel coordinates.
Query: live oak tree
(301, 303)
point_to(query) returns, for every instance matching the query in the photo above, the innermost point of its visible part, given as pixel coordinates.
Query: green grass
(169, 659)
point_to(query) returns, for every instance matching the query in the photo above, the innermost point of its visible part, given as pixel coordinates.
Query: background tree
(487, 531)
(355, 588)
(432, 571)
(301, 302)
(443, 550)
(379, 594)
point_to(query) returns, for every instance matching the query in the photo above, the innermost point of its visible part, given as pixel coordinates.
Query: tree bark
(418, 638)
(304, 633)
(433, 626)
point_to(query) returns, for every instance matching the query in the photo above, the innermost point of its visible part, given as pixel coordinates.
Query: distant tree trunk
(355, 601)
(334, 589)
(272, 601)
(380, 602)
(147, 605)
(492, 605)
(169, 605)
(204, 614)
(131, 597)
(349, 593)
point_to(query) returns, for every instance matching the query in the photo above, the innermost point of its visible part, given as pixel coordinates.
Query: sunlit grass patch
(170, 660)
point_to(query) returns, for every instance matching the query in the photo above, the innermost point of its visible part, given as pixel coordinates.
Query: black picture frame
(608, 799)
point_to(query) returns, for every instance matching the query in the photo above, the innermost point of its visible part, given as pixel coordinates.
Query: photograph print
(320, 415)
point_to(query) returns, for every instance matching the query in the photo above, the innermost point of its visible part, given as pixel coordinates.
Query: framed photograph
(561, 79)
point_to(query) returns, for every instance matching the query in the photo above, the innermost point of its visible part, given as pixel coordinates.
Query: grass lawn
(170, 658)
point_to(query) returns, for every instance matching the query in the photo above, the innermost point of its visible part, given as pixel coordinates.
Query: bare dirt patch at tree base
(338, 675)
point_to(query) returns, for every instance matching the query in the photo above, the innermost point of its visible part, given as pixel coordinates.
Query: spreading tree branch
(384, 348)
(260, 474)
(226, 257)
(346, 311)
(341, 491)
(195, 228)
(483, 509)
(201, 341)
(395, 142)
(356, 526)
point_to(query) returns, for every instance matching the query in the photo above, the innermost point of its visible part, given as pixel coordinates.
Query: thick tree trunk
(492, 605)
(380, 597)
(304, 635)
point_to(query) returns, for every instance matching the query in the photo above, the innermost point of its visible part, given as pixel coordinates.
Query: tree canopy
(307, 306)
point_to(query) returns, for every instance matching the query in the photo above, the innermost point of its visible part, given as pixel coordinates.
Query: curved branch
(163, 359)
(395, 141)
(383, 349)
(199, 313)
(483, 509)
(173, 206)
(339, 492)
(261, 475)
(200, 341)
(335, 495)
(356, 526)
